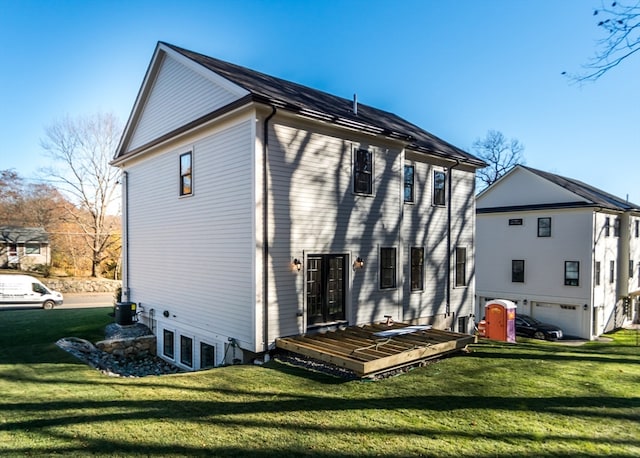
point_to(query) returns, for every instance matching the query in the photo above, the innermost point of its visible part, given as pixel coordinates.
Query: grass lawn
(531, 399)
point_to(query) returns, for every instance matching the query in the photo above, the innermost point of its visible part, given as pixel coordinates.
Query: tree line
(78, 202)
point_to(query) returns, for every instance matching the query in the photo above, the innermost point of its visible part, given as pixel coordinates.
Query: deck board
(358, 348)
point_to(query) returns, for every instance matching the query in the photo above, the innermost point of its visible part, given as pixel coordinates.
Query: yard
(531, 399)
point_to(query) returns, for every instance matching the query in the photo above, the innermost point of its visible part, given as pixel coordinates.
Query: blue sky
(457, 68)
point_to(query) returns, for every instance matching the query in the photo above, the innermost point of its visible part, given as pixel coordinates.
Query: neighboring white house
(256, 208)
(563, 251)
(24, 247)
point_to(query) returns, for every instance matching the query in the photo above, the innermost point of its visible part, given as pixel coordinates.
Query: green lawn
(531, 399)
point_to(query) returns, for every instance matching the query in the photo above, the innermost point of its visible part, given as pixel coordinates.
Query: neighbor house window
(409, 183)
(571, 273)
(167, 344)
(612, 271)
(207, 355)
(597, 273)
(186, 174)
(387, 268)
(616, 227)
(363, 172)
(439, 179)
(637, 228)
(417, 269)
(631, 268)
(461, 266)
(544, 227)
(32, 248)
(186, 351)
(517, 271)
(607, 226)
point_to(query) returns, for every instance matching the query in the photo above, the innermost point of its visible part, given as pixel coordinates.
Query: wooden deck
(376, 348)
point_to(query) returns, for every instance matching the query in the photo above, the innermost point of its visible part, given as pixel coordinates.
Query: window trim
(460, 265)
(411, 185)
(439, 202)
(356, 172)
(418, 268)
(383, 270)
(517, 276)
(184, 189)
(571, 281)
(541, 229)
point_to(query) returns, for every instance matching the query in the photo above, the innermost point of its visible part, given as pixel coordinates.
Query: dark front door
(325, 288)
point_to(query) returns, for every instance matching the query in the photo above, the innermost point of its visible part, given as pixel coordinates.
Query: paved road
(85, 300)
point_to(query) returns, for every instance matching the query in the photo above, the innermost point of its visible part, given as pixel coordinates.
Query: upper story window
(388, 268)
(186, 174)
(517, 271)
(571, 273)
(544, 227)
(637, 228)
(597, 274)
(363, 172)
(607, 227)
(439, 178)
(461, 266)
(616, 227)
(515, 222)
(417, 269)
(409, 188)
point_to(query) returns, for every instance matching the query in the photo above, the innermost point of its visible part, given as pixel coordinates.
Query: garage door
(569, 318)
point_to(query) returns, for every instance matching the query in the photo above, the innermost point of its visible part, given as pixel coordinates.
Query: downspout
(265, 228)
(125, 211)
(449, 254)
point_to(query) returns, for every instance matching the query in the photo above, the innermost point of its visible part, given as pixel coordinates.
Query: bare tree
(84, 147)
(622, 26)
(499, 153)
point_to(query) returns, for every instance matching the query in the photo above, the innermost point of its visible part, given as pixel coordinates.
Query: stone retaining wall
(83, 285)
(130, 346)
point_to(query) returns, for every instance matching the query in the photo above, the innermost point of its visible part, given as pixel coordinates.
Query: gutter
(265, 228)
(449, 254)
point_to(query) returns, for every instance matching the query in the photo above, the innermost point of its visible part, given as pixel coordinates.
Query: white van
(26, 291)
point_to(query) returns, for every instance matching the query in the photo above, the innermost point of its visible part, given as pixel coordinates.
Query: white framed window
(572, 273)
(409, 183)
(168, 344)
(363, 172)
(388, 268)
(186, 351)
(461, 266)
(31, 248)
(186, 174)
(439, 193)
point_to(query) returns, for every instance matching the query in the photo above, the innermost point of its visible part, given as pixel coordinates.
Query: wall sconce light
(297, 264)
(586, 306)
(359, 263)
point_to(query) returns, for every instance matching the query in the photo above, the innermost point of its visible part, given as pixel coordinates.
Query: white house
(256, 208)
(24, 247)
(563, 251)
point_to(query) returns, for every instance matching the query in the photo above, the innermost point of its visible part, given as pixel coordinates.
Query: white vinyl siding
(179, 95)
(314, 211)
(194, 257)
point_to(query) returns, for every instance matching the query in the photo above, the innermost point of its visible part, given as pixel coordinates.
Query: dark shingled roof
(593, 195)
(323, 106)
(18, 234)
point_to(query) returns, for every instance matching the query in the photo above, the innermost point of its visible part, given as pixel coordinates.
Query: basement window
(186, 351)
(167, 344)
(207, 356)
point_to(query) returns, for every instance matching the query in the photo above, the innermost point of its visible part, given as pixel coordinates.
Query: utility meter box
(500, 318)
